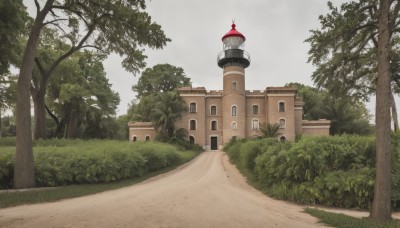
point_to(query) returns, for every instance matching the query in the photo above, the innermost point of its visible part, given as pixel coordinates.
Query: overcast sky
(275, 31)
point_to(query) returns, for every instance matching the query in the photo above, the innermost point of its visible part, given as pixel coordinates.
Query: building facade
(215, 117)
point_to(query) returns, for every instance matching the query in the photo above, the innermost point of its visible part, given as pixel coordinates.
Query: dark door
(214, 143)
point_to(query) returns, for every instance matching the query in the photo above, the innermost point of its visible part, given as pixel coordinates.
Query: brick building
(214, 117)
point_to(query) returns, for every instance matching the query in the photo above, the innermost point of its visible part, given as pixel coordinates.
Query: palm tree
(270, 130)
(167, 110)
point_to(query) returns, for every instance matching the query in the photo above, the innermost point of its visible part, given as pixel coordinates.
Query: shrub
(335, 170)
(64, 162)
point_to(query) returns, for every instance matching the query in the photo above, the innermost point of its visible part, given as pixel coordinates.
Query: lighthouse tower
(233, 59)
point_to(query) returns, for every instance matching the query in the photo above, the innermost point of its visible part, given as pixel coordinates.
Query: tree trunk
(394, 113)
(72, 126)
(381, 206)
(24, 171)
(1, 126)
(40, 113)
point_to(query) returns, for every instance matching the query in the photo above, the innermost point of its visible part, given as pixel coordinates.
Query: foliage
(160, 78)
(346, 115)
(270, 130)
(65, 162)
(334, 171)
(345, 221)
(81, 98)
(166, 111)
(13, 17)
(345, 48)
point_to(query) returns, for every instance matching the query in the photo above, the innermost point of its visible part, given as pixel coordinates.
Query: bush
(334, 171)
(64, 162)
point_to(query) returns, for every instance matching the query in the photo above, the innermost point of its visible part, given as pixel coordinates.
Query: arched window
(281, 106)
(134, 138)
(192, 125)
(234, 110)
(255, 124)
(213, 110)
(234, 125)
(255, 109)
(214, 125)
(191, 139)
(283, 138)
(282, 124)
(234, 85)
(192, 107)
(147, 138)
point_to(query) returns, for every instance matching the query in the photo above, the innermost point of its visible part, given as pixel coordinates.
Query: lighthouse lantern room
(233, 53)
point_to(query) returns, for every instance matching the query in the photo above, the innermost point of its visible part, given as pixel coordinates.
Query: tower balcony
(233, 57)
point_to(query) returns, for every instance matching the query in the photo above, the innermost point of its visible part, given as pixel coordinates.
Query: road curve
(208, 192)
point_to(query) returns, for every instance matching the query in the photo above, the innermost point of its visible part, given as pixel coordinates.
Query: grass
(10, 199)
(345, 221)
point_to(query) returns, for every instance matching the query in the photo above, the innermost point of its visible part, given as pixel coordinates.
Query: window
(191, 139)
(233, 110)
(213, 110)
(134, 138)
(192, 108)
(213, 125)
(281, 106)
(192, 125)
(234, 126)
(255, 124)
(255, 109)
(147, 138)
(234, 85)
(282, 124)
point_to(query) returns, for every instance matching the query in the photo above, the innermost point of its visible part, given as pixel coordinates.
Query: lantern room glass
(233, 42)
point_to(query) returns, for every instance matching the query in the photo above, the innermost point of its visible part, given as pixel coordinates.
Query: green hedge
(334, 171)
(64, 162)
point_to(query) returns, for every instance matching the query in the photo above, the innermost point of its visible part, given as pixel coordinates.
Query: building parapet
(280, 90)
(321, 123)
(192, 90)
(140, 125)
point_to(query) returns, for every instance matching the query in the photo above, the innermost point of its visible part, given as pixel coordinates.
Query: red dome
(233, 32)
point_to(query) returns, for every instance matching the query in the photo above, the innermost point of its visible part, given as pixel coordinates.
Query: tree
(111, 26)
(82, 98)
(381, 206)
(160, 78)
(348, 116)
(167, 110)
(270, 130)
(345, 50)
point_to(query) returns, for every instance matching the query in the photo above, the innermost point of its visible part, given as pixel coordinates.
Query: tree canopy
(160, 78)
(13, 18)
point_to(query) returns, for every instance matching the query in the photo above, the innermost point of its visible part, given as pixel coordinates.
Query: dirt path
(209, 192)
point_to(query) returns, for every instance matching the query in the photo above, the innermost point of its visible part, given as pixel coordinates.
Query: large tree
(107, 26)
(160, 78)
(381, 206)
(345, 50)
(357, 54)
(81, 98)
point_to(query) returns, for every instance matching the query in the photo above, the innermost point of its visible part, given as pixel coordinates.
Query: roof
(233, 32)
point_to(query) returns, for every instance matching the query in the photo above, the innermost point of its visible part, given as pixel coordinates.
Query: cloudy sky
(275, 31)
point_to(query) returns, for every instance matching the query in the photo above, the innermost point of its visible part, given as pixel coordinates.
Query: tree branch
(37, 7)
(55, 20)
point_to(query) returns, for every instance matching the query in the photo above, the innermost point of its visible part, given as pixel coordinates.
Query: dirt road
(209, 192)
